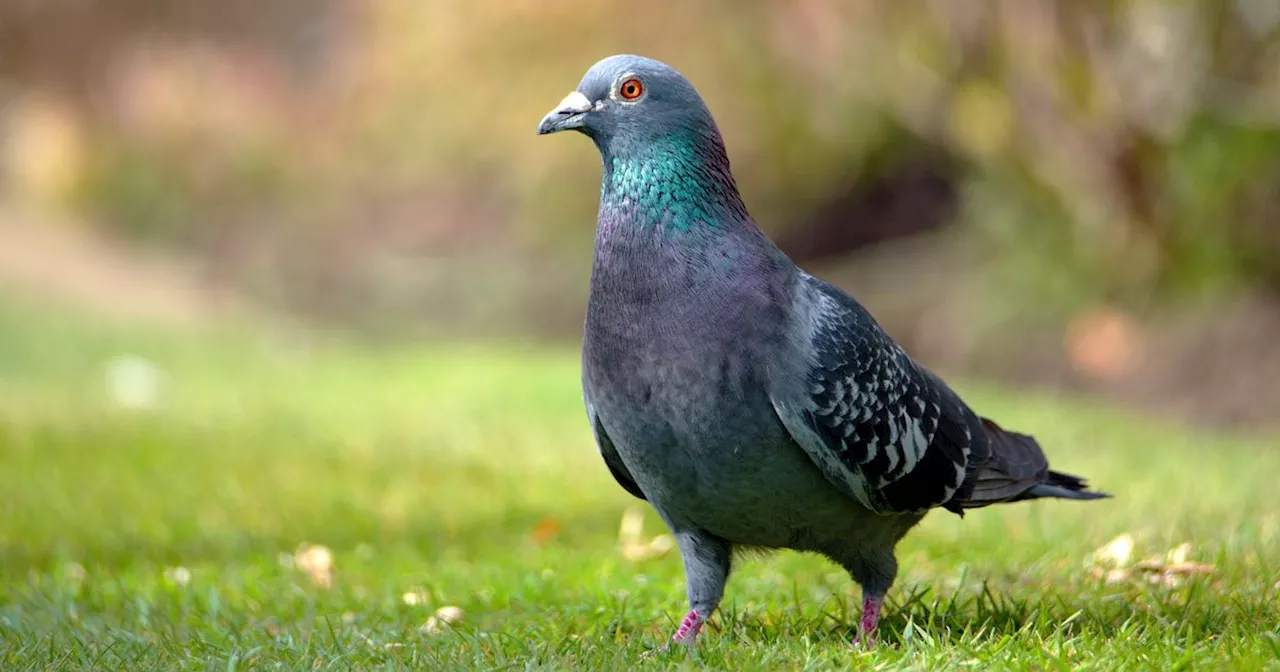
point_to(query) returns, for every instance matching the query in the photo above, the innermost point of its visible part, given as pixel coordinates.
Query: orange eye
(631, 89)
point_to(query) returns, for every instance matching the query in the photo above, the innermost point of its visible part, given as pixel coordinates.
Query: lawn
(320, 506)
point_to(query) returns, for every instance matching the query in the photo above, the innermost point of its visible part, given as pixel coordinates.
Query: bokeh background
(1081, 195)
(291, 297)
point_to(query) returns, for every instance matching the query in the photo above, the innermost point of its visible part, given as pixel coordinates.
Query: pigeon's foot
(688, 629)
(870, 619)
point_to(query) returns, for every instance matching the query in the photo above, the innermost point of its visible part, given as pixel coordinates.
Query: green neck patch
(680, 182)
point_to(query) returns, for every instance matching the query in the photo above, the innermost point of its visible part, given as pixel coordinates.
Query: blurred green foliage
(1121, 150)
(164, 194)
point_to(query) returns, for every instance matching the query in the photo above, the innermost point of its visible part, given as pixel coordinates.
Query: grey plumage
(749, 402)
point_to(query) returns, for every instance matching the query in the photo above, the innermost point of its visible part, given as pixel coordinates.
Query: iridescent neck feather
(679, 182)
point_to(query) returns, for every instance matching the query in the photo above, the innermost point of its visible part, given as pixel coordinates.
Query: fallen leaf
(414, 597)
(1175, 563)
(545, 530)
(1117, 553)
(317, 562)
(449, 614)
(632, 524)
(1112, 563)
(444, 617)
(1117, 575)
(631, 538)
(1181, 568)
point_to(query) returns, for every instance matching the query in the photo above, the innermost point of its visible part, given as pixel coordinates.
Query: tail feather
(1063, 486)
(1014, 468)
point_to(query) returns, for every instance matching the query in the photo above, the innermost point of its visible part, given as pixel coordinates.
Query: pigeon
(751, 404)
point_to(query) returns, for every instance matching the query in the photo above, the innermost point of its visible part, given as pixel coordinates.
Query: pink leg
(688, 629)
(870, 618)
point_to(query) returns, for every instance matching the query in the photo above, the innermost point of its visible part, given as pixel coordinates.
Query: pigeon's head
(626, 99)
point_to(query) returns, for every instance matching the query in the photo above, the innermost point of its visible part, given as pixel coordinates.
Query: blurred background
(1073, 195)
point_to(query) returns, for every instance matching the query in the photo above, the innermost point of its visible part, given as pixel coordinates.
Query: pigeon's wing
(883, 429)
(610, 454)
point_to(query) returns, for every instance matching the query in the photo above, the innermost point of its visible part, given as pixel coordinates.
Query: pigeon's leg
(870, 618)
(875, 572)
(706, 568)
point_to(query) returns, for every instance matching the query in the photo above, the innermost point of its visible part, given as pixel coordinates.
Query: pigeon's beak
(567, 115)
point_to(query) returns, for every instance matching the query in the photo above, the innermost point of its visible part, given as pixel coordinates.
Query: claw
(688, 630)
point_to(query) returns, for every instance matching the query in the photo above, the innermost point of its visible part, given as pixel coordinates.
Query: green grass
(468, 476)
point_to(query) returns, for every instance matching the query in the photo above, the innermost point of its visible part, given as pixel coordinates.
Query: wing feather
(885, 430)
(612, 459)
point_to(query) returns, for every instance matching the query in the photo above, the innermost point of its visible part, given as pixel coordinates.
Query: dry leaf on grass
(1171, 569)
(1115, 575)
(414, 596)
(444, 617)
(1113, 563)
(1117, 553)
(631, 538)
(317, 562)
(545, 530)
